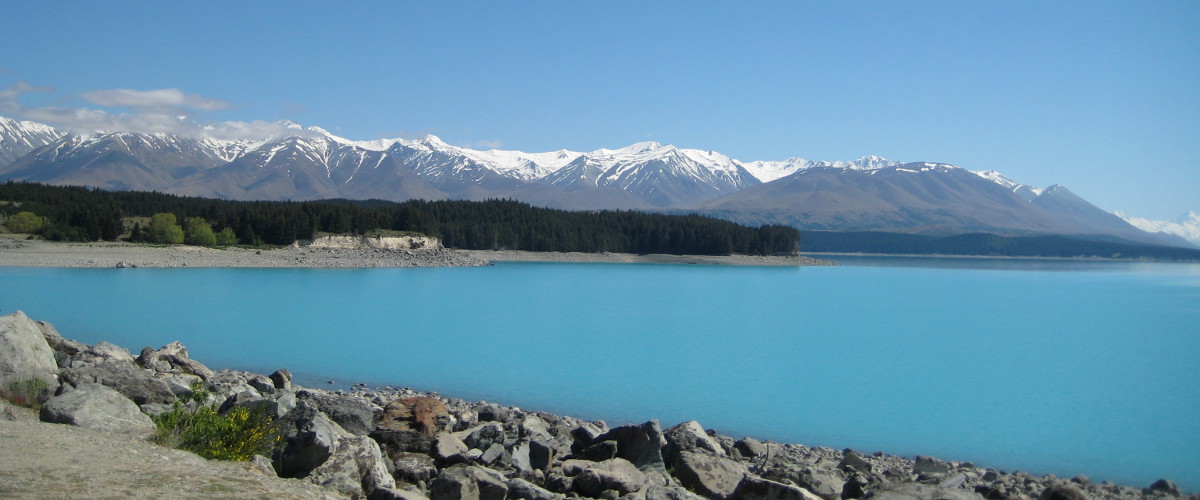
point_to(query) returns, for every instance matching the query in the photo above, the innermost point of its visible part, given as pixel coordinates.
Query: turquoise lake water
(1043, 366)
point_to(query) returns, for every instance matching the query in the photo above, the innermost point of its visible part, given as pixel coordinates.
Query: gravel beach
(36, 253)
(39, 253)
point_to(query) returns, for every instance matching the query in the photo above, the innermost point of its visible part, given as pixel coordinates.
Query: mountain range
(867, 194)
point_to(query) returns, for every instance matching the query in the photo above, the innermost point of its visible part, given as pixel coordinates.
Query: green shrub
(28, 393)
(237, 435)
(24, 222)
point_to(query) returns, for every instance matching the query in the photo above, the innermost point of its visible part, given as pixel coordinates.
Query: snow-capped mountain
(309, 167)
(20, 137)
(1027, 192)
(1187, 226)
(767, 171)
(662, 175)
(119, 160)
(310, 163)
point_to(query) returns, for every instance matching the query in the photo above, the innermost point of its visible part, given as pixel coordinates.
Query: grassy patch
(28, 393)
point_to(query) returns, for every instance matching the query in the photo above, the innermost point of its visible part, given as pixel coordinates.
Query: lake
(1055, 367)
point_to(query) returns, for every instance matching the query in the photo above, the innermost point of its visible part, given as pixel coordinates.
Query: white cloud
(258, 129)
(166, 111)
(1186, 226)
(153, 99)
(14, 91)
(494, 144)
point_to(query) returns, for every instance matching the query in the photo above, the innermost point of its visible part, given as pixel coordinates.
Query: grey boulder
(310, 441)
(757, 488)
(355, 415)
(520, 488)
(709, 475)
(355, 468)
(616, 474)
(24, 353)
(95, 406)
(468, 482)
(641, 445)
(135, 383)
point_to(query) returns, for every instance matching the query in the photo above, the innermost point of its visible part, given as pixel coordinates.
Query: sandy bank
(38, 253)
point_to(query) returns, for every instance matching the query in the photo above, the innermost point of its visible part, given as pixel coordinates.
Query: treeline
(83, 214)
(986, 244)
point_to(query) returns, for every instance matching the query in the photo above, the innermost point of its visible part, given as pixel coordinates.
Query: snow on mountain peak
(432, 140)
(1186, 226)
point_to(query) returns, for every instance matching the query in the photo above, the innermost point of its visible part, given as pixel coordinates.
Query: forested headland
(69, 213)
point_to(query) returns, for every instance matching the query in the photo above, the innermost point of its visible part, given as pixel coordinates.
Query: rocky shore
(387, 443)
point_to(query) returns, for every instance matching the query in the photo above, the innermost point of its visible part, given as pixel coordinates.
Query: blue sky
(1098, 96)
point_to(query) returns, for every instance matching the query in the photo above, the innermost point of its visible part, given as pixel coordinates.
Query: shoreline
(629, 258)
(418, 444)
(15, 252)
(996, 257)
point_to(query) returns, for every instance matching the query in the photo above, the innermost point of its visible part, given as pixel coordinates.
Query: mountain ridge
(869, 193)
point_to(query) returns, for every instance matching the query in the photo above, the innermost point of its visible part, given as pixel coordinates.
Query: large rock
(448, 449)
(1165, 486)
(532, 454)
(482, 436)
(110, 352)
(757, 488)
(225, 383)
(413, 467)
(826, 483)
(468, 482)
(95, 406)
(585, 434)
(24, 353)
(282, 379)
(310, 438)
(64, 349)
(354, 414)
(641, 445)
(689, 436)
(854, 462)
(617, 474)
(135, 383)
(599, 452)
(929, 466)
(707, 474)
(403, 441)
(355, 468)
(750, 447)
(172, 357)
(491, 412)
(525, 490)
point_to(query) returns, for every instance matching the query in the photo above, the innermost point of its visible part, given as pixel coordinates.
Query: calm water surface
(1044, 366)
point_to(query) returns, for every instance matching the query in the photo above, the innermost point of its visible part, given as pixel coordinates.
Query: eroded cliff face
(375, 242)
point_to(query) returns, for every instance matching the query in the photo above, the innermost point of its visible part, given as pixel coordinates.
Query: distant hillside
(984, 244)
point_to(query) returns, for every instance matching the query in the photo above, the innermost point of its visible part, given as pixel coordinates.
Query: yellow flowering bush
(237, 435)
